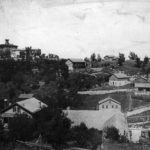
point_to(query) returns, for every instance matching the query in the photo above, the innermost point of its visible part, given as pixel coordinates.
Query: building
(8, 46)
(27, 106)
(7, 50)
(142, 86)
(110, 58)
(100, 118)
(119, 79)
(76, 64)
(109, 103)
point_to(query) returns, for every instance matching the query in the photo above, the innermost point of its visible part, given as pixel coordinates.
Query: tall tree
(132, 56)
(138, 62)
(99, 58)
(121, 59)
(93, 57)
(145, 62)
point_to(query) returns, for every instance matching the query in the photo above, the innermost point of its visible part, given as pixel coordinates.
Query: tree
(99, 58)
(132, 56)
(93, 57)
(112, 133)
(138, 62)
(121, 59)
(145, 62)
(21, 127)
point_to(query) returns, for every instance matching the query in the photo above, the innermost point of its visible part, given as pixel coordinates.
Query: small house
(119, 79)
(27, 106)
(75, 64)
(142, 86)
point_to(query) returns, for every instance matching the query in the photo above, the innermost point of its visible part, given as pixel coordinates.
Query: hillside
(90, 101)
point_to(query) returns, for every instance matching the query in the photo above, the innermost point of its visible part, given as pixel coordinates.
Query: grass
(89, 102)
(123, 146)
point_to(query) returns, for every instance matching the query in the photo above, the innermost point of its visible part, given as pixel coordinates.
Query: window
(102, 106)
(18, 109)
(106, 106)
(14, 109)
(112, 106)
(116, 106)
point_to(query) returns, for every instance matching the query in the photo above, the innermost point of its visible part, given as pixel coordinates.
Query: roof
(32, 104)
(138, 110)
(76, 60)
(108, 99)
(25, 96)
(120, 75)
(97, 118)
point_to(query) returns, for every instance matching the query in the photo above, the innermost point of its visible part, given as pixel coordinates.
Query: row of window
(16, 109)
(113, 106)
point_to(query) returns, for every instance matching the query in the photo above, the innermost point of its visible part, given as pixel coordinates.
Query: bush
(112, 133)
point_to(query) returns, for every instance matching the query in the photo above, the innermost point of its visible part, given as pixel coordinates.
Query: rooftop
(108, 99)
(120, 75)
(32, 104)
(98, 119)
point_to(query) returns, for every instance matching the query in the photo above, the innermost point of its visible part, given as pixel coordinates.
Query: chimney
(7, 41)
(5, 103)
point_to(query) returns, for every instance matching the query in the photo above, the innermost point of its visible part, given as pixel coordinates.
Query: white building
(101, 118)
(119, 79)
(109, 103)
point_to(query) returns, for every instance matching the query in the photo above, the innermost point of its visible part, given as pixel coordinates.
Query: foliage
(21, 127)
(121, 59)
(53, 126)
(112, 133)
(138, 62)
(87, 138)
(132, 56)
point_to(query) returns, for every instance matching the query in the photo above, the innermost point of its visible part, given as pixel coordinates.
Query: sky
(77, 28)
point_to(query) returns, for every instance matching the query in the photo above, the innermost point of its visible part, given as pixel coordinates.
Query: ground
(124, 146)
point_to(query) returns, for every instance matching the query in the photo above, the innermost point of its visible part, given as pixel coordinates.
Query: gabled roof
(32, 104)
(74, 60)
(120, 75)
(108, 99)
(25, 96)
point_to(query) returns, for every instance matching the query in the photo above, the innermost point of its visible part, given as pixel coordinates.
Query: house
(75, 64)
(119, 79)
(110, 58)
(109, 103)
(100, 118)
(142, 86)
(27, 106)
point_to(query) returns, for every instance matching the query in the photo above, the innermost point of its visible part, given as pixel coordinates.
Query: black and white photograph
(74, 74)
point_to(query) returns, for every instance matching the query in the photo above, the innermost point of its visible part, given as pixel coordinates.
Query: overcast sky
(76, 28)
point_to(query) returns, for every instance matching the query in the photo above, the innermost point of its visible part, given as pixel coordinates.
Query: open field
(90, 101)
